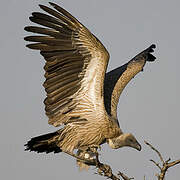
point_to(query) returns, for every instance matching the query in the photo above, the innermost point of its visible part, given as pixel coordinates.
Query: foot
(94, 149)
(89, 161)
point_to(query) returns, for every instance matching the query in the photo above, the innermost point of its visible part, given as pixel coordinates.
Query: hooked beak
(138, 147)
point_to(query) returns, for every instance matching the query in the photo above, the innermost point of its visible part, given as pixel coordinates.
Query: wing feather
(45, 31)
(76, 62)
(117, 79)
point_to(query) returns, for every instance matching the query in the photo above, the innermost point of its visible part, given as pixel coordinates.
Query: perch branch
(104, 169)
(124, 176)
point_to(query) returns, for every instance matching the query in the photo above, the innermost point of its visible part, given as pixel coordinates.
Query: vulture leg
(82, 159)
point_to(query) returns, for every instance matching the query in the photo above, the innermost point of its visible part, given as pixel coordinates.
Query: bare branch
(124, 176)
(104, 169)
(153, 148)
(165, 164)
(174, 163)
(157, 164)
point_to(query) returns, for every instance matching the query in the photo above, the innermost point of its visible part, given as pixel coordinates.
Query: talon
(94, 148)
(100, 172)
(99, 148)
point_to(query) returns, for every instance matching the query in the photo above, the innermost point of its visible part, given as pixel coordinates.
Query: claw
(94, 148)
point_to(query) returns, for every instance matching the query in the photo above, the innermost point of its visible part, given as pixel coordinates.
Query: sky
(149, 106)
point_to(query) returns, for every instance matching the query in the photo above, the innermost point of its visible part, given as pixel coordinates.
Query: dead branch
(165, 164)
(124, 176)
(104, 169)
(154, 149)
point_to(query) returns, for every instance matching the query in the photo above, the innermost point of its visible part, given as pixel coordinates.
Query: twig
(157, 164)
(159, 154)
(174, 163)
(124, 176)
(165, 164)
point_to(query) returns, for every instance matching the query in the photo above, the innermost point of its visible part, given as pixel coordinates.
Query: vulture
(81, 97)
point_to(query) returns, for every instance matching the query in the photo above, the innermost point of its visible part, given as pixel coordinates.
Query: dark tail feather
(44, 143)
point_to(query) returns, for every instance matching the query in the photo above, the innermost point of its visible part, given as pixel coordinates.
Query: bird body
(81, 96)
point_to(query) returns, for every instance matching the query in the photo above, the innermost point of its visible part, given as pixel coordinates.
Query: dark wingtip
(147, 54)
(151, 58)
(31, 18)
(27, 147)
(52, 4)
(26, 28)
(28, 45)
(26, 38)
(41, 6)
(153, 46)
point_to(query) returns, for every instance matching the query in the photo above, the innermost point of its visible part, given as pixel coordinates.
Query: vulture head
(123, 140)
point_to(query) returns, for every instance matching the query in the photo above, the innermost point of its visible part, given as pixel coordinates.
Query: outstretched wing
(76, 62)
(117, 79)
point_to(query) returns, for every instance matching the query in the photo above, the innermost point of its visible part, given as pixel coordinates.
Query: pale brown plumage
(80, 95)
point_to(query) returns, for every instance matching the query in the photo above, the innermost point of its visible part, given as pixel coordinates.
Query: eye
(131, 140)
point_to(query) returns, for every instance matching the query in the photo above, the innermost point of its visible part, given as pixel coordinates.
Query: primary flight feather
(81, 96)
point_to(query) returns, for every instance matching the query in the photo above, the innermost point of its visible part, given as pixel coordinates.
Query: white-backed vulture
(81, 97)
